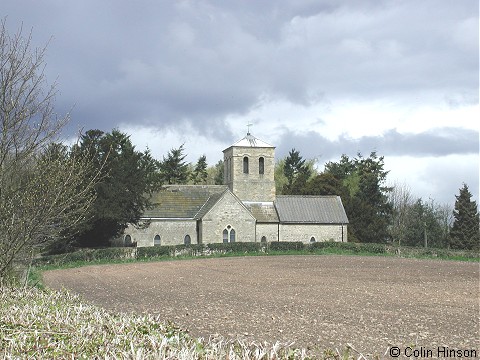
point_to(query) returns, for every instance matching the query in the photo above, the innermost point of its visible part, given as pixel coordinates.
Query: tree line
(59, 197)
(377, 213)
(380, 213)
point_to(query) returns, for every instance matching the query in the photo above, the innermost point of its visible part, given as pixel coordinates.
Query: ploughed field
(316, 301)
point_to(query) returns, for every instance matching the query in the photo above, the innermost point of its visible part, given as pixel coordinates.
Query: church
(244, 209)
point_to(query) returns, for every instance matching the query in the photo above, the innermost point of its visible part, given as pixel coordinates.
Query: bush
(114, 253)
(188, 250)
(154, 251)
(373, 248)
(88, 255)
(236, 247)
(286, 245)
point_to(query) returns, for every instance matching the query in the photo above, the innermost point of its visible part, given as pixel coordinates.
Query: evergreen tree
(297, 172)
(129, 178)
(465, 229)
(367, 208)
(173, 168)
(372, 225)
(199, 173)
(326, 184)
(342, 169)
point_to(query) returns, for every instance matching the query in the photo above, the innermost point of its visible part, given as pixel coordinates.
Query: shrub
(286, 245)
(154, 251)
(88, 255)
(373, 248)
(236, 247)
(114, 253)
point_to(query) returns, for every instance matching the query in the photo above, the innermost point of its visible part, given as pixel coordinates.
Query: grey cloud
(198, 62)
(436, 142)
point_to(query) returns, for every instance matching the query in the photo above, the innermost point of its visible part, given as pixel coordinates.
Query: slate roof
(251, 141)
(184, 201)
(263, 212)
(310, 209)
(194, 201)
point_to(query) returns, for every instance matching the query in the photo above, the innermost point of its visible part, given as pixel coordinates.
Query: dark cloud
(198, 62)
(436, 142)
(188, 65)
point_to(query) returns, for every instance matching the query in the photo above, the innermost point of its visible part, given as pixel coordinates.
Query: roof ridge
(219, 194)
(251, 141)
(308, 196)
(194, 185)
(201, 207)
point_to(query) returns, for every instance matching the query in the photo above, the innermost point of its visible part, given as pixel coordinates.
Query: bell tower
(249, 167)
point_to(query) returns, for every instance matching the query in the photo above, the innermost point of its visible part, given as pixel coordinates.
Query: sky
(326, 77)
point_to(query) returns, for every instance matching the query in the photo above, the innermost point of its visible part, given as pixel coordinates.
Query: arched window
(157, 240)
(187, 240)
(261, 166)
(229, 234)
(312, 239)
(128, 240)
(245, 165)
(263, 239)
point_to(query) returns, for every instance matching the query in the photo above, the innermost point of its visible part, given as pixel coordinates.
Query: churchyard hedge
(287, 246)
(245, 248)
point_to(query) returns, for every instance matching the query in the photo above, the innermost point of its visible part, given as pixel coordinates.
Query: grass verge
(119, 255)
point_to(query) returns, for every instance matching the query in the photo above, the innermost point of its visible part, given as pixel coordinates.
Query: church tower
(249, 167)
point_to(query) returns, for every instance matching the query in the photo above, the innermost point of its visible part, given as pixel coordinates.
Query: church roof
(251, 141)
(211, 201)
(194, 201)
(263, 212)
(184, 201)
(310, 209)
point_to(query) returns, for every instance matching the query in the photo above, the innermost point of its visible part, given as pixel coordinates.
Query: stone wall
(251, 186)
(304, 232)
(171, 232)
(270, 231)
(228, 212)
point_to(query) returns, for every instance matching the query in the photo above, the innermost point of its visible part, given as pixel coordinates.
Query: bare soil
(316, 301)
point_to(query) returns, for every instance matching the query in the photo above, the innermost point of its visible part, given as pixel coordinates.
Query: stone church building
(245, 209)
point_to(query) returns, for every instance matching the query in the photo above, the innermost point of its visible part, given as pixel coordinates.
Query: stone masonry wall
(172, 232)
(252, 186)
(270, 231)
(304, 232)
(228, 212)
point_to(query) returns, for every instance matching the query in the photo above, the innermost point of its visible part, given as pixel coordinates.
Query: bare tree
(445, 219)
(45, 190)
(401, 199)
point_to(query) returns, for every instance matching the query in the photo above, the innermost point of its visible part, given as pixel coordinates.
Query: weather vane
(248, 128)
